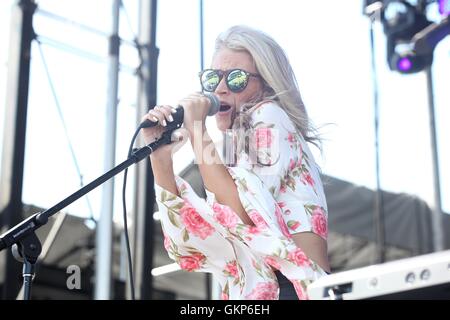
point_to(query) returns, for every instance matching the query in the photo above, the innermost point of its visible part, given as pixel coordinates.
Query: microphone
(179, 115)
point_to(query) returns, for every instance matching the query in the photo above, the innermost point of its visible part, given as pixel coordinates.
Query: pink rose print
(293, 224)
(319, 222)
(272, 262)
(283, 187)
(182, 187)
(166, 242)
(264, 291)
(307, 179)
(291, 138)
(225, 215)
(194, 223)
(282, 223)
(299, 258)
(259, 221)
(300, 155)
(283, 207)
(225, 296)
(255, 264)
(253, 230)
(231, 269)
(281, 204)
(301, 293)
(263, 138)
(291, 164)
(193, 262)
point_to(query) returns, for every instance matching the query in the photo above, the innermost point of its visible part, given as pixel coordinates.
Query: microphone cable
(124, 204)
(214, 108)
(125, 223)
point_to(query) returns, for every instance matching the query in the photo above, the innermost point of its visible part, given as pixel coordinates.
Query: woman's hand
(163, 115)
(196, 107)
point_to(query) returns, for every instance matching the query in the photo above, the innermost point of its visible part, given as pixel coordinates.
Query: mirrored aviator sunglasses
(236, 79)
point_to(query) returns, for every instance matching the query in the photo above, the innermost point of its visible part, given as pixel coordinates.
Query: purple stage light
(444, 7)
(404, 64)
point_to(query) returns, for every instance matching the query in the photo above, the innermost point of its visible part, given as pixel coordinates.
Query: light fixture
(409, 62)
(402, 20)
(444, 7)
(397, 16)
(411, 37)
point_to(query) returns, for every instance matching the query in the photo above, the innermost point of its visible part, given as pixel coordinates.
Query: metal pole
(15, 120)
(143, 222)
(208, 276)
(104, 235)
(436, 218)
(202, 37)
(379, 206)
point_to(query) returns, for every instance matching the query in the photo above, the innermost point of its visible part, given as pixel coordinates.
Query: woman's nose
(221, 87)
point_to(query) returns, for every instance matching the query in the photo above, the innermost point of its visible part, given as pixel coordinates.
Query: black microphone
(179, 115)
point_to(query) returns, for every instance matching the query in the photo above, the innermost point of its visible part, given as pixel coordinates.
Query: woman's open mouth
(224, 108)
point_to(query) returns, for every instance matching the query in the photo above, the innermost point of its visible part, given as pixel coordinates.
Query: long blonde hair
(279, 79)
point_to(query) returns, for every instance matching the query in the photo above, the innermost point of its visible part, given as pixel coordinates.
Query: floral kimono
(282, 194)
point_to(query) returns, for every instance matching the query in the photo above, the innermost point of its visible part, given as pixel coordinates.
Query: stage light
(404, 64)
(406, 26)
(372, 6)
(402, 20)
(397, 15)
(444, 7)
(409, 62)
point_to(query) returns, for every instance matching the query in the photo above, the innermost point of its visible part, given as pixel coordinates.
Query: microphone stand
(26, 246)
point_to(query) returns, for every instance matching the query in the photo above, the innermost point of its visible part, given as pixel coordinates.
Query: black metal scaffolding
(11, 206)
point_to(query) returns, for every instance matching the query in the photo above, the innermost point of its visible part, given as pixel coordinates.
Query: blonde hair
(279, 79)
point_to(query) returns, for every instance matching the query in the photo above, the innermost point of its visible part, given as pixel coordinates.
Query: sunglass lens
(210, 80)
(237, 80)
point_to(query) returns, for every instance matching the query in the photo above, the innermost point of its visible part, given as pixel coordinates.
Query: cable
(81, 53)
(127, 17)
(138, 71)
(70, 49)
(125, 223)
(66, 132)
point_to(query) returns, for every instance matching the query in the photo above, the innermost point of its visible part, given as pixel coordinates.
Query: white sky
(327, 43)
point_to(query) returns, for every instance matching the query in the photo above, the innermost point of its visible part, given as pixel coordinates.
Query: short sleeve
(272, 151)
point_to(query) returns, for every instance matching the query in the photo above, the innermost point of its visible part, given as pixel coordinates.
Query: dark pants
(287, 290)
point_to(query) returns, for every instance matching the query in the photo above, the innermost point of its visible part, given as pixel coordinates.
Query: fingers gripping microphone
(179, 115)
(214, 104)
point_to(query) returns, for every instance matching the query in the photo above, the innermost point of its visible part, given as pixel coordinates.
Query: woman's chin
(223, 123)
